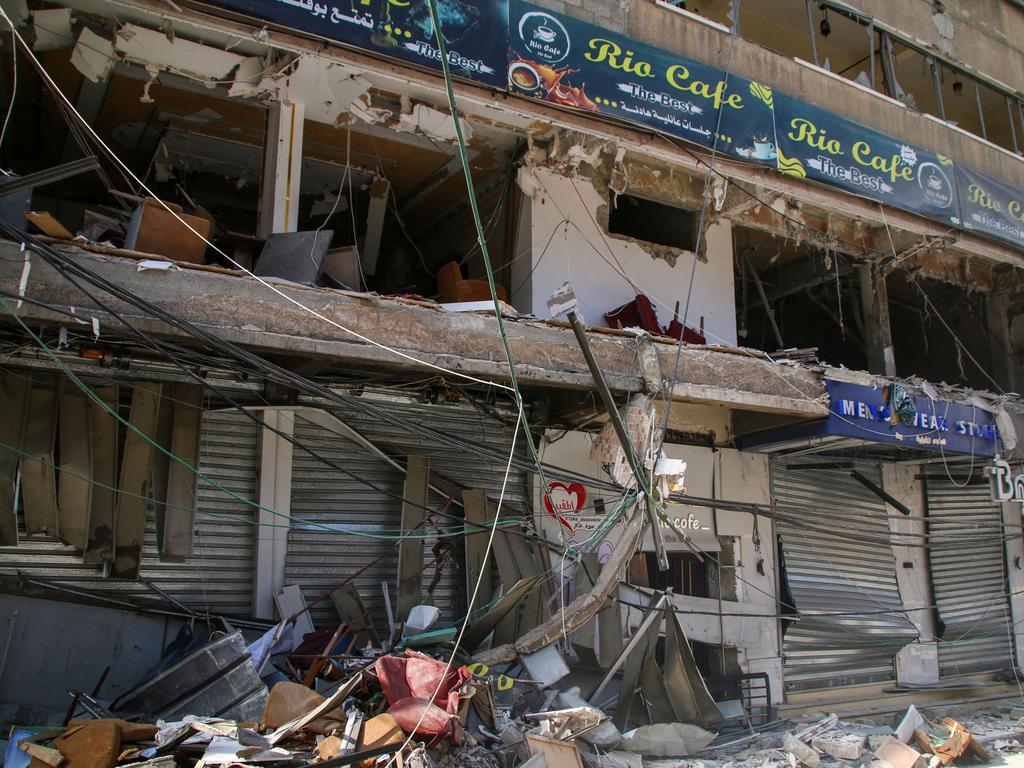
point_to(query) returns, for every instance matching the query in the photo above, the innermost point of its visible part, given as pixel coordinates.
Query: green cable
(482, 239)
(113, 412)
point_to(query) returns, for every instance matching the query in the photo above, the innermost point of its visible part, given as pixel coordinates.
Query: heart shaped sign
(563, 499)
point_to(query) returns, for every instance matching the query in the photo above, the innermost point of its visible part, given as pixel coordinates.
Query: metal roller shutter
(319, 560)
(837, 559)
(967, 561)
(219, 576)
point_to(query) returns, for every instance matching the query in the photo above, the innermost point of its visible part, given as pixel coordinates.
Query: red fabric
(415, 675)
(638, 313)
(420, 717)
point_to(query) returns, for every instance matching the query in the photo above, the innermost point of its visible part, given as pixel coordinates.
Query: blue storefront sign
(991, 207)
(567, 62)
(865, 413)
(820, 145)
(475, 31)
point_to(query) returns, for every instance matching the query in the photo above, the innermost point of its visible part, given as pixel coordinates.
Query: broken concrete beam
(245, 312)
(841, 746)
(803, 753)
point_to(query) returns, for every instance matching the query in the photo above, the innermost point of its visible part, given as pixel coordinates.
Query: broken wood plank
(159, 467)
(38, 478)
(474, 501)
(580, 610)
(350, 607)
(410, 550)
(74, 490)
(48, 225)
(183, 483)
(136, 470)
(104, 426)
(13, 399)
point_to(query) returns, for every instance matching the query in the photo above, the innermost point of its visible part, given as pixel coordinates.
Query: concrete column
(1005, 366)
(916, 662)
(874, 298)
(282, 168)
(275, 496)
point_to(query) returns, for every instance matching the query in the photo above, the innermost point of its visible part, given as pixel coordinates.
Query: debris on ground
(297, 695)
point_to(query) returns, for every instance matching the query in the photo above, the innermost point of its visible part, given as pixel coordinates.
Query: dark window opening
(652, 222)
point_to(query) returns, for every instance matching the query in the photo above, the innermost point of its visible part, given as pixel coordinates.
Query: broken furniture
(217, 680)
(294, 256)
(453, 287)
(166, 230)
(640, 313)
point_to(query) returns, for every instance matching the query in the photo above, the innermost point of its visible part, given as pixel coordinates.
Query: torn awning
(841, 573)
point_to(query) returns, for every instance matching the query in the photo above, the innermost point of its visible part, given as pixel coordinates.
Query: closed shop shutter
(319, 560)
(838, 560)
(966, 557)
(218, 577)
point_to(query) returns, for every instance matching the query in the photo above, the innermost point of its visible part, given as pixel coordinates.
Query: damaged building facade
(303, 329)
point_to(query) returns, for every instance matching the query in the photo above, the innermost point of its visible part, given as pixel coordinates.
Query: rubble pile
(219, 702)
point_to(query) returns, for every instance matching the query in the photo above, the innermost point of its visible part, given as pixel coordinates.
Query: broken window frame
(881, 39)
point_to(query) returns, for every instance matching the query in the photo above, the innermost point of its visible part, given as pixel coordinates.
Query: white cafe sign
(1006, 486)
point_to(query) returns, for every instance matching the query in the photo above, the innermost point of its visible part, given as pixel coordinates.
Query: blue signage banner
(819, 145)
(864, 413)
(475, 31)
(567, 62)
(938, 425)
(991, 207)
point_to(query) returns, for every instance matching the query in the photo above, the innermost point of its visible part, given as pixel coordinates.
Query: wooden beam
(410, 551)
(38, 479)
(74, 492)
(182, 482)
(13, 399)
(102, 515)
(135, 479)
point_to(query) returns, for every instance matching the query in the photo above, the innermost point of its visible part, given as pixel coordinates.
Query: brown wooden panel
(74, 489)
(100, 547)
(13, 399)
(38, 478)
(136, 473)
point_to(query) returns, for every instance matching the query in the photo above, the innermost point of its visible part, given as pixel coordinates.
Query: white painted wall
(562, 252)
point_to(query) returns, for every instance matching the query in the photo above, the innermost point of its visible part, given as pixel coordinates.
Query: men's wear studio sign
(1006, 486)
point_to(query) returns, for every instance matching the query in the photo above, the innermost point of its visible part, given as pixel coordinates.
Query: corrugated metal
(967, 561)
(219, 575)
(830, 569)
(319, 560)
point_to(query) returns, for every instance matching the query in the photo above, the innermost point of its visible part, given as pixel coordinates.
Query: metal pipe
(871, 45)
(937, 83)
(981, 112)
(1013, 126)
(810, 30)
(623, 435)
(50, 175)
(764, 299)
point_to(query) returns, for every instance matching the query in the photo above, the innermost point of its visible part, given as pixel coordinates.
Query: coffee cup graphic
(764, 150)
(545, 34)
(524, 76)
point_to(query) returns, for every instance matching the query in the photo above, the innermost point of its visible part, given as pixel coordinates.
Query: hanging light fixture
(826, 28)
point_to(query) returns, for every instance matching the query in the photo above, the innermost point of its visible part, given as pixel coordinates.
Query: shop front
(893, 550)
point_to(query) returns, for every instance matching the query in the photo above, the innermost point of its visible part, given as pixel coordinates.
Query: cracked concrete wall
(569, 243)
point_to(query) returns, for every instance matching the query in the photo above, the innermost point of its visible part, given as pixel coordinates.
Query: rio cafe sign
(1006, 486)
(559, 59)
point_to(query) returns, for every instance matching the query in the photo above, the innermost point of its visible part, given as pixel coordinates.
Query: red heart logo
(564, 498)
